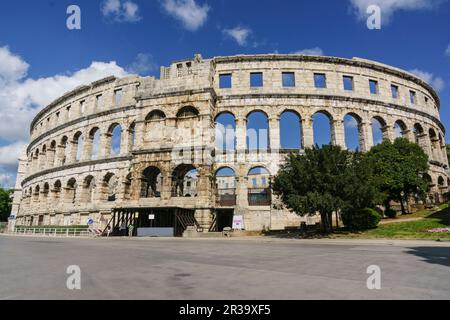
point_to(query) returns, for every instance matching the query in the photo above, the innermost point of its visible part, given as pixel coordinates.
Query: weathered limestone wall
(170, 122)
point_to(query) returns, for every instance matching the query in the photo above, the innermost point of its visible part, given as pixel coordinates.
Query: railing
(55, 232)
(259, 197)
(226, 197)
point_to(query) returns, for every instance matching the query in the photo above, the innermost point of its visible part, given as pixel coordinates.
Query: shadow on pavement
(433, 255)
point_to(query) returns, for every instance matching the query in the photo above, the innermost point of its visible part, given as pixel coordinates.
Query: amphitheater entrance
(153, 222)
(224, 219)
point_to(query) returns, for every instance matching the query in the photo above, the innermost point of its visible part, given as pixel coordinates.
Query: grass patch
(409, 229)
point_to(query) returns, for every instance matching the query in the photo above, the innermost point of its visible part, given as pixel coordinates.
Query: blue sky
(122, 36)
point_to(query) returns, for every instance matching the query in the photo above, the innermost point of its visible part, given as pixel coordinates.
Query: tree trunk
(402, 204)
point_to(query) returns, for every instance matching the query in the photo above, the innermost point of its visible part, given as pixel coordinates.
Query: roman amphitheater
(182, 151)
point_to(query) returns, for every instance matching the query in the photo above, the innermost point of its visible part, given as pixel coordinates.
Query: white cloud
(447, 52)
(436, 82)
(310, 52)
(7, 180)
(239, 34)
(191, 15)
(22, 97)
(143, 64)
(12, 68)
(9, 154)
(389, 7)
(121, 11)
(351, 123)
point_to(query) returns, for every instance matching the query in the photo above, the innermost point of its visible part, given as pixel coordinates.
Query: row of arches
(325, 131)
(89, 146)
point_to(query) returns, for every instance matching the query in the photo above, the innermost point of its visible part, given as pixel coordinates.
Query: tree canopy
(325, 180)
(398, 170)
(5, 204)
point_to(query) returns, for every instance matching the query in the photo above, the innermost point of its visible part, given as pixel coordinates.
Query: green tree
(327, 180)
(398, 169)
(5, 204)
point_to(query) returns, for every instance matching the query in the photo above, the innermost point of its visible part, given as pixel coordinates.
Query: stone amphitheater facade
(167, 129)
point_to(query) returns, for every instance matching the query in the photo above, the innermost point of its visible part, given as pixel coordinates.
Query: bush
(390, 213)
(361, 219)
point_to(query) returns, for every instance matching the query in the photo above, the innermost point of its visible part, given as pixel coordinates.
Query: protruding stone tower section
(17, 195)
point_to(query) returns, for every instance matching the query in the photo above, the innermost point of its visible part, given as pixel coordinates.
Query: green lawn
(408, 230)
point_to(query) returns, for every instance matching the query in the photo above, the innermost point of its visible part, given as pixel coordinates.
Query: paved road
(32, 268)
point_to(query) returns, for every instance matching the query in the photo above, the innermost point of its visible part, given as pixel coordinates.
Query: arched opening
(257, 131)
(37, 191)
(225, 132)
(184, 181)
(378, 130)
(226, 187)
(57, 189)
(290, 131)
(88, 189)
(115, 132)
(110, 185)
(155, 115)
(353, 134)
(94, 136)
(259, 187)
(154, 123)
(434, 142)
(46, 190)
(187, 112)
(78, 141)
(72, 187)
(151, 183)
(65, 156)
(400, 129)
(418, 133)
(322, 127)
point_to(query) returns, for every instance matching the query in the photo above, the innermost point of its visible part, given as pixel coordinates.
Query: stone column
(59, 155)
(241, 135)
(87, 149)
(124, 141)
(50, 157)
(241, 193)
(105, 145)
(308, 132)
(388, 133)
(338, 134)
(139, 134)
(365, 136)
(274, 134)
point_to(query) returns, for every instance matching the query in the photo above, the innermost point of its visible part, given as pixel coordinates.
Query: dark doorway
(224, 219)
(176, 218)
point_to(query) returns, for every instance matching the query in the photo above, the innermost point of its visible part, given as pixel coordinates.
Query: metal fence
(55, 232)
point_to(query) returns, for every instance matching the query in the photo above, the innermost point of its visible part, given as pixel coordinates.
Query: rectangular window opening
(373, 84)
(348, 83)
(288, 79)
(320, 80)
(394, 90)
(256, 79)
(225, 81)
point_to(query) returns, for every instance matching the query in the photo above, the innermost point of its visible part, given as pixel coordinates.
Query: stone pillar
(338, 134)
(274, 134)
(50, 157)
(124, 142)
(59, 155)
(365, 136)
(73, 151)
(308, 132)
(388, 133)
(241, 134)
(105, 145)
(241, 193)
(139, 134)
(409, 134)
(87, 149)
(424, 142)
